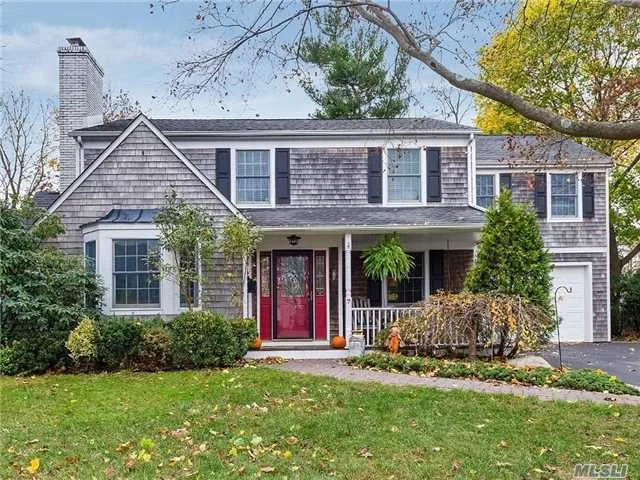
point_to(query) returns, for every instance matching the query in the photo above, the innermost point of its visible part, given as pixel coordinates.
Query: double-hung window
(90, 256)
(411, 289)
(252, 176)
(403, 175)
(135, 273)
(485, 190)
(564, 195)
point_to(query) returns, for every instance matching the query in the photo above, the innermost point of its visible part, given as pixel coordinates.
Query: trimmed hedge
(583, 379)
(192, 339)
(206, 339)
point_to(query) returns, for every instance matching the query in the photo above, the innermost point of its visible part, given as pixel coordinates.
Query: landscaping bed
(582, 379)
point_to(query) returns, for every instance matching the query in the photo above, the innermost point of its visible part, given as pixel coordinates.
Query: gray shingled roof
(387, 217)
(127, 215)
(295, 124)
(45, 199)
(530, 149)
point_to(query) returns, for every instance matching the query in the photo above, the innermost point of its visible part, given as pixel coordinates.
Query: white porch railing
(370, 320)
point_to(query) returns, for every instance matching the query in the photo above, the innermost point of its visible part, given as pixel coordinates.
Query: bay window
(136, 280)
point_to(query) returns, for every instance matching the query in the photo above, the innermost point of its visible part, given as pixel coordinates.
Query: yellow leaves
(34, 466)
(619, 440)
(287, 455)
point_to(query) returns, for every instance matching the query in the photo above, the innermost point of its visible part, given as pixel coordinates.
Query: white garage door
(573, 308)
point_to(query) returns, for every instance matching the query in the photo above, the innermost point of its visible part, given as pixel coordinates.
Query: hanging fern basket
(387, 259)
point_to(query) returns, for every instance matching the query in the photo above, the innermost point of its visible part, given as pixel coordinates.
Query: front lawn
(256, 421)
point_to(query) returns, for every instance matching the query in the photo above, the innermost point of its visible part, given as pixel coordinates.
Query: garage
(574, 308)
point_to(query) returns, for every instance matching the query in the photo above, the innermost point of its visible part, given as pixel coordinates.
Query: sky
(138, 50)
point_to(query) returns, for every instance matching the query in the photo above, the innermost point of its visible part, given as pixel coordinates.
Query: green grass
(232, 424)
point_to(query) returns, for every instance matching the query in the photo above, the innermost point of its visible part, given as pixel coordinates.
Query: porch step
(271, 347)
(298, 353)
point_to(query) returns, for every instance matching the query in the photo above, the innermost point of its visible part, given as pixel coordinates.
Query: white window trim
(565, 219)
(425, 284)
(272, 179)
(496, 187)
(423, 176)
(104, 235)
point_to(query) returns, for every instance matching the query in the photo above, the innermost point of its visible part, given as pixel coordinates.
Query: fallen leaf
(620, 440)
(291, 440)
(436, 449)
(109, 472)
(72, 459)
(502, 444)
(455, 465)
(364, 452)
(267, 469)
(34, 466)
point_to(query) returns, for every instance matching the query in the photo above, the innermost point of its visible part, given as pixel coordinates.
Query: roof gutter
(369, 228)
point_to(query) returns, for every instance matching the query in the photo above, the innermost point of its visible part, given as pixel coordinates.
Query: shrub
(504, 323)
(155, 351)
(204, 339)
(629, 285)
(118, 341)
(512, 258)
(81, 343)
(45, 293)
(6, 361)
(586, 379)
(244, 332)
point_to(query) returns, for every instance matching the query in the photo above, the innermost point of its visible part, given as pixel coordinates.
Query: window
(403, 175)
(410, 290)
(485, 190)
(90, 256)
(320, 274)
(252, 176)
(187, 262)
(135, 273)
(564, 195)
(265, 274)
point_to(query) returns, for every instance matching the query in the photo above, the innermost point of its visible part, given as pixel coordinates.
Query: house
(322, 191)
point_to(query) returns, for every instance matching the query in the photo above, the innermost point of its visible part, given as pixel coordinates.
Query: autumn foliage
(503, 324)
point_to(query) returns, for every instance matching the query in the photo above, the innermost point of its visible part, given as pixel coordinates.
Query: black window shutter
(436, 270)
(434, 174)
(282, 176)
(588, 203)
(223, 171)
(505, 181)
(374, 292)
(541, 195)
(374, 173)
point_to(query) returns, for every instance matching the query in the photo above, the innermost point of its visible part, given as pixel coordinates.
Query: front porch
(307, 287)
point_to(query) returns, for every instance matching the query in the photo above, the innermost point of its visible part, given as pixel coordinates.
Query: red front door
(292, 294)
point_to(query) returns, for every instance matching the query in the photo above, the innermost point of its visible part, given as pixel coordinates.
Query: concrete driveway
(621, 359)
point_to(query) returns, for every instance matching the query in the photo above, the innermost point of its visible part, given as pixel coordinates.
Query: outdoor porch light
(293, 240)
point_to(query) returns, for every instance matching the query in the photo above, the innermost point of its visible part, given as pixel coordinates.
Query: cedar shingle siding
(137, 175)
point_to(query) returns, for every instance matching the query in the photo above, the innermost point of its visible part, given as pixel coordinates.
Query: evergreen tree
(358, 80)
(511, 257)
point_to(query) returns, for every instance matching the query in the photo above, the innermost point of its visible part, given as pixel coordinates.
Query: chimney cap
(76, 41)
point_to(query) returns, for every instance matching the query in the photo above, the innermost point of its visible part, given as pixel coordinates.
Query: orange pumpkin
(338, 342)
(256, 344)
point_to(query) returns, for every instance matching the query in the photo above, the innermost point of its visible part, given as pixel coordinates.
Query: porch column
(348, 324)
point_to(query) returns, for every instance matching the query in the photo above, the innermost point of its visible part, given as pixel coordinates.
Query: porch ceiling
(359, 218)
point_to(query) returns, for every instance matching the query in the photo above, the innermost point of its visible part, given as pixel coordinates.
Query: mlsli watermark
(588, 471)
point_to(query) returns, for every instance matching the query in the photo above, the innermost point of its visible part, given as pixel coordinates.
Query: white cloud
(136, 60)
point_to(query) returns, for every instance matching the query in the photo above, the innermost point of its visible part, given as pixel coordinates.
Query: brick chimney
(80, 91)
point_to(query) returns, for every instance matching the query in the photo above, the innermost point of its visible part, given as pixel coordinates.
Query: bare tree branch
(626, 3)
(28, 142)
(271, 19)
